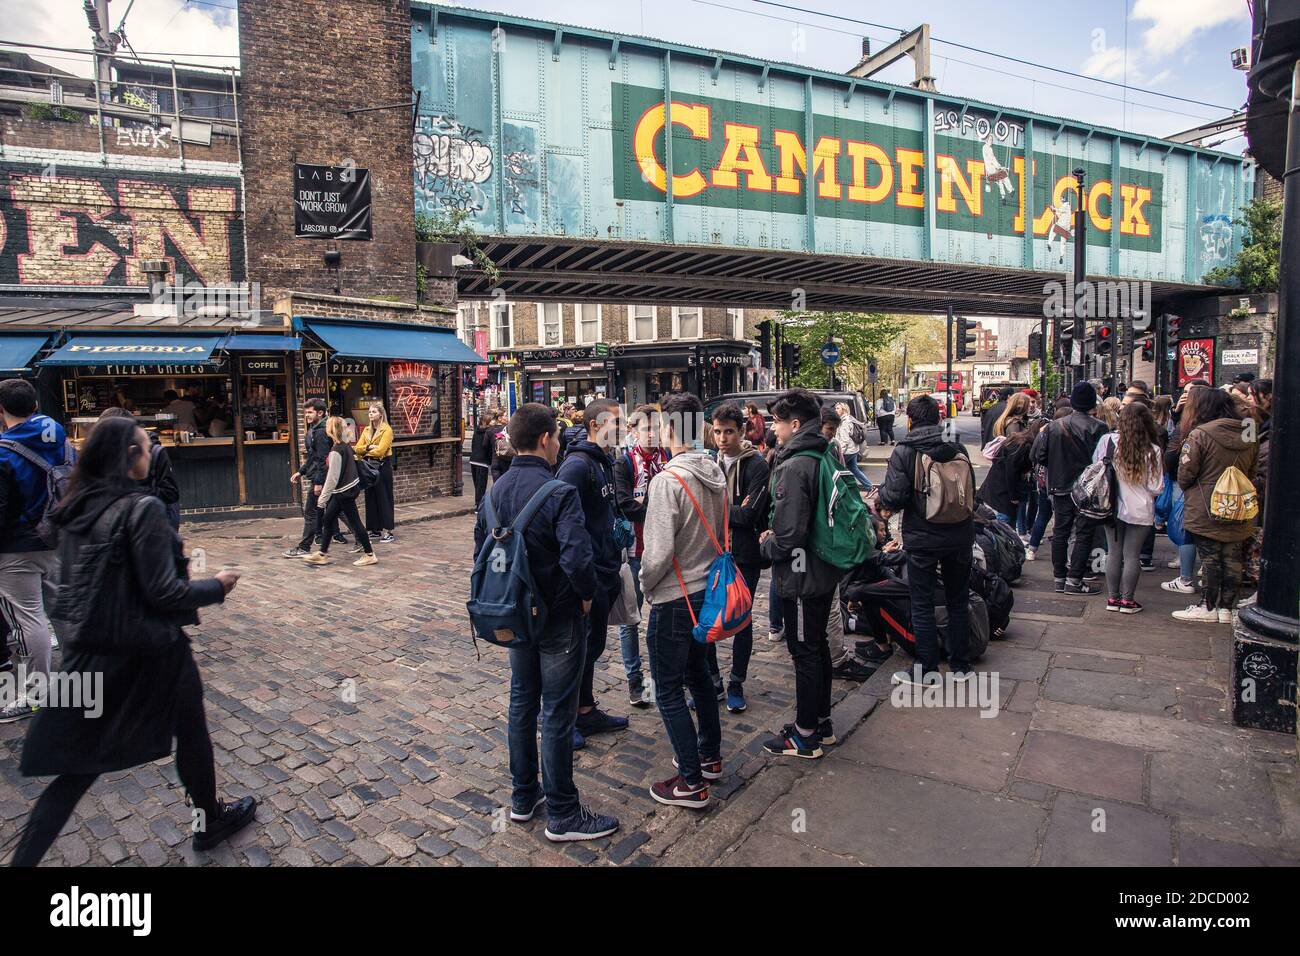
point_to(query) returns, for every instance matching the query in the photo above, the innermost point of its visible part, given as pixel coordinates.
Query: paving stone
(1111, 691)
(1079, 763)
(1086, 831)
(1226, 798)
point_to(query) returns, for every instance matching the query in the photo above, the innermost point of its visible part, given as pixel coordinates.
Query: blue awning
(238, 342)
(135, 348)
(387, 340)
(17, 349)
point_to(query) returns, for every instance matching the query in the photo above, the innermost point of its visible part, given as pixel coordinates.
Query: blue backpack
(728, 602)
(504, 606)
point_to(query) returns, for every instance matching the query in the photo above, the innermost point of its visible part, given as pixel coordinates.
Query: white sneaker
(776, 635)
(1174, 565)
(1179, 585)
(1225, 615)
(1024, 539)
(1030, 553)
(1197, 613)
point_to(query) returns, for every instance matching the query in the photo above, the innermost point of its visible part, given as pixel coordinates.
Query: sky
(1178, 47)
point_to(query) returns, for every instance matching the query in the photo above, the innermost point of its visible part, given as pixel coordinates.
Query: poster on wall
(413, 408)
(331, 202)
(1195, 361)
(314, 383)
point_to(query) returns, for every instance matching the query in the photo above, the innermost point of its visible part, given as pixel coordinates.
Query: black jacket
(480, 449)
(1065, 447)
(161, 482)
(898, 491)
(559, 548)
(794, 488)
(588, 468)
(988, 419)
(747, 521)
(318, 445)
(1007, 481)
(141, 692)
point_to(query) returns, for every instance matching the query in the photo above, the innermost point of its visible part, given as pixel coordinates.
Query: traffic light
(1104, 340)
(765, 343)
(1148, 350)
(796, 356)
(1035, 344)
(1173, 327)
(965, 338)
(1066, 333)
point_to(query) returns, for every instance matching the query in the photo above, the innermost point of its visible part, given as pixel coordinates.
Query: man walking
(25, 558)
(588, 467)
(312, 475)
(683, 531)
(1065, 448)
(803, 581)
(916, 488)
(545, 678)
(746, 476)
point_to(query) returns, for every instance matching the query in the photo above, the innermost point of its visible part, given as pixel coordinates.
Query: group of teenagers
(1168, 459)
(686, 503)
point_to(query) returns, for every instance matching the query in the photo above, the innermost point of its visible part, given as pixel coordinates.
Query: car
(854, 400)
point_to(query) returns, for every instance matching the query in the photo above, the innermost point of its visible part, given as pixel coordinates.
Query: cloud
(1108, 64)
(184, 31)
(1175, 22)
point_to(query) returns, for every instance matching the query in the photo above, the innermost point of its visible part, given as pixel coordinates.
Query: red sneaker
(675, 792)
(709, 769)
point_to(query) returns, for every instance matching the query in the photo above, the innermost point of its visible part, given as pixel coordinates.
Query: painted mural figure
(1060, 230)
(994, 171)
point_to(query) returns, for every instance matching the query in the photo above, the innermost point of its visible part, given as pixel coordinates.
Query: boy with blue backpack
(534, 600)
(683, 533)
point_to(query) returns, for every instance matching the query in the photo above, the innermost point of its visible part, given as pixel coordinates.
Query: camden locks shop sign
(331, 202)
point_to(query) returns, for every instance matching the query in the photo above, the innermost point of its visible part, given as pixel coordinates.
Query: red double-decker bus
(954, 388)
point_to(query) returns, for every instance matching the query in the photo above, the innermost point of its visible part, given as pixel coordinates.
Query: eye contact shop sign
(331, 202)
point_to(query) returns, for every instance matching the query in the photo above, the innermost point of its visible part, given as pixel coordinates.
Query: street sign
(830, 353)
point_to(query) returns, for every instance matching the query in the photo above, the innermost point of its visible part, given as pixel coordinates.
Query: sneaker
(365, 561)
(1198, 613)
(16, 712)
(1030, 553)
(1225, 615)
(295, 553)
(521, 811)
(1090, 578)
(316, 557)
(776, 635)
(826, 731)
(1179, 586)
(387, 537)
(852, 669)
(789, 743)
(1129, 607)
(1059, 585)
(231, 818)
(583, 825)
(1148, 565)
(736, 700)
(870, 652)
(54, 641)
(636, 695)
(579, 741)
(356, 549)
(709, 769)
(1113, 604)
(341, 538)
(598, 722)
(1248, 601)
(1174, 565)
(676, 792)
(1083, 587)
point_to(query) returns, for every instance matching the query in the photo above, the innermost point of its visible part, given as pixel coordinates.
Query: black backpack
(887, 403)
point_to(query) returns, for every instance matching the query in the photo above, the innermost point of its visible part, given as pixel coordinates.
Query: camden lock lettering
(732, 154)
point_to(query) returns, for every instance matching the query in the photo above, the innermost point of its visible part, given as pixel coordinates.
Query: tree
(924, 336)
(861, 334)
(1255, 268)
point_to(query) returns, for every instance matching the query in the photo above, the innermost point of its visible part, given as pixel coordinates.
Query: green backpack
(846, 536)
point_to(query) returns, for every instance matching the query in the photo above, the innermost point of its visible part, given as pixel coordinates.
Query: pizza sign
(1195, 361)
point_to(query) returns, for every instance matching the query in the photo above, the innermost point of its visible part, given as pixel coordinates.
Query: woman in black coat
(481, 451)
(123, 595)
(1007, 482)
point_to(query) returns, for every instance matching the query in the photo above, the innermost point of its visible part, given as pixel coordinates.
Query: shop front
(561, 376)
(218, 402)
(644, 374)
(414, 370)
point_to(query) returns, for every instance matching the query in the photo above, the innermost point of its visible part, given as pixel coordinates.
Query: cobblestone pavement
(415, 770)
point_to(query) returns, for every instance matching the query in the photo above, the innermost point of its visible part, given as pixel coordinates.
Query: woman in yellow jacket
(375, 445)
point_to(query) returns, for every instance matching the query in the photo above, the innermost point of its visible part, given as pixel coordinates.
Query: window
(503, 321)
(586, 324)
(641, 323)
(550, 325)
(686, 323)
(467, 322)
(736, 320)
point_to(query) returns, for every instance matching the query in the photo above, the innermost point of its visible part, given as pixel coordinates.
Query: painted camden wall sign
(331, 202)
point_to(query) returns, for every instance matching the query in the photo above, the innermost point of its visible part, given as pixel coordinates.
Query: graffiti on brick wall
(453, 163)
(145, 137)
(73, 226)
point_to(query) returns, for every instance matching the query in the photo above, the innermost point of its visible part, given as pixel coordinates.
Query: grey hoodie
(673, 529)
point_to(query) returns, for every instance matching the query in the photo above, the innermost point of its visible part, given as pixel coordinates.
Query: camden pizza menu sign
(331, 202)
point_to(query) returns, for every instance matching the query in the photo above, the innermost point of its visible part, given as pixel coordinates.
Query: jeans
(954, 563)
(1221, 566)
(886, 425)
(678, 661)
(340, 504)
(852, 464)
(1187, 560)
(1122, 558)
(194, 766)
(1072, 540)
(597, 624)
(22, 605)
(812, 658)
(545, 679)
(1005, 519)
(1149, 544)
(312, 519)
(629, 635)
(775, 613)
(742, 645)
(1043, 515)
